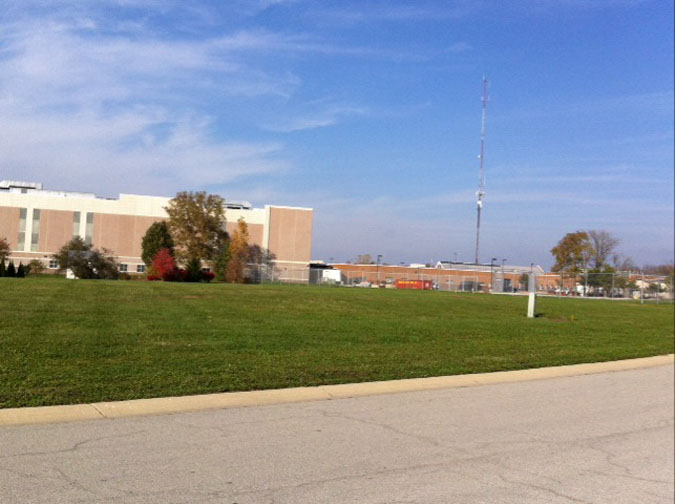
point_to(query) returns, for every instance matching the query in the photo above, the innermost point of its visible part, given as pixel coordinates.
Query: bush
(36, 267)
(11, 270)
(164, 265)
(86, 262)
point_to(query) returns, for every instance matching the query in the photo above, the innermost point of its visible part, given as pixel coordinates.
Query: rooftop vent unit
(18, 184)
(238, 205)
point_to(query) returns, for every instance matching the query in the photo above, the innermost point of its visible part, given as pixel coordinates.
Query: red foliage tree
(165, 265)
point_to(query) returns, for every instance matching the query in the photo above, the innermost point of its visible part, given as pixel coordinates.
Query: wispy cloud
(319, 117)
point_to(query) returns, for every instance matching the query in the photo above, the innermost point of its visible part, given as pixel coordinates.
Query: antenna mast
(481, 174)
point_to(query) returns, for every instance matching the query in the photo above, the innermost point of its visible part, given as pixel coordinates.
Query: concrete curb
(167, 405)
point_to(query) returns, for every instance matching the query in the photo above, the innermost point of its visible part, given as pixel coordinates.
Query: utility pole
(481, 174)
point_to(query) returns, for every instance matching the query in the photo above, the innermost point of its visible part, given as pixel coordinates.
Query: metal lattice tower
(481, 173)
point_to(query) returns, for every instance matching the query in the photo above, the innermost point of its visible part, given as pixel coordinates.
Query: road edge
(169, 405)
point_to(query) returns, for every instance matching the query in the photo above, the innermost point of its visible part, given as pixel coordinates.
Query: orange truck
(415, 284)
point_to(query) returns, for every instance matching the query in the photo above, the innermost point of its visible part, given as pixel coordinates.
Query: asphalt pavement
(601, 438)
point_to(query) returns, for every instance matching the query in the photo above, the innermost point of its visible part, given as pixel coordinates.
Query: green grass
(78, 341)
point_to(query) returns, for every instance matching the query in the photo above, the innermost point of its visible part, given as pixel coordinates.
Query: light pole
(492, 273)
(379, 256)
(503, 279)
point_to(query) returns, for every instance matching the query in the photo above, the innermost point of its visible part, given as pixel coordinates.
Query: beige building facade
(37, 222)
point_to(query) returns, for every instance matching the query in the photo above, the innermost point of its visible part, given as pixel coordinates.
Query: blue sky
(368, 112)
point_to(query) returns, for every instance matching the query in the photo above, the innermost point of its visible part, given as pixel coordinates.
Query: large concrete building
(37, 222)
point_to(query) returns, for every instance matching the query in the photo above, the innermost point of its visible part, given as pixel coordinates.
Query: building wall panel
(56, 229)
(255, 232)
(9, 225)
(290, 234)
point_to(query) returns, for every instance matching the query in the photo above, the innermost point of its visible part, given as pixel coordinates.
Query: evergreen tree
(20, 272)
(220, 265)
(194, 270)
(3, 270)
(11, 270)
(156, 238)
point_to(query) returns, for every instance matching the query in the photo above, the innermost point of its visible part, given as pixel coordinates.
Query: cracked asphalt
(604, 438)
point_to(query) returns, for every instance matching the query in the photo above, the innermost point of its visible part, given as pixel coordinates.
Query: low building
(37, 222)
(450, 276)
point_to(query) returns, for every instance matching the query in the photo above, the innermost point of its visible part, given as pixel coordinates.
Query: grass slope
(67, 342)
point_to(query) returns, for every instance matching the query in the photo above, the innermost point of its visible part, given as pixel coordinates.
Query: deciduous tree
(239, 253)
(164, 265)
(572, 253)
(197, 225)
(156, 238)
(602, 247)
(4, 250)
(87, 262)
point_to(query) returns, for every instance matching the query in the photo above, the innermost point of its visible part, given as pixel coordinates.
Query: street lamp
(503, 279)
(492, 274)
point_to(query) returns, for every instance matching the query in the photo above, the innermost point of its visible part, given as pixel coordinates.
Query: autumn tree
(157, 237)
(197, 225)
(164, 265)
(4, 250)
(239, 253)
(572, 254)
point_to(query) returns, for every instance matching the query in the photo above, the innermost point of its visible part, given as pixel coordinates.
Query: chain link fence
(620, 285)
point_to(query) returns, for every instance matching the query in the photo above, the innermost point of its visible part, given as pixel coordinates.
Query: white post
(532, 296)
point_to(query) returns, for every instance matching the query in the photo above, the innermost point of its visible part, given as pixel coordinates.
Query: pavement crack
(73, 448)
(542, 488)
(385, 426)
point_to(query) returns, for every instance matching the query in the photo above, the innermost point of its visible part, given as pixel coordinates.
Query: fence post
(642, 286)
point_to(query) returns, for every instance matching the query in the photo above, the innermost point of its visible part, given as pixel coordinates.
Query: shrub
(11, 270)
(164, 265)
(36, 267)
(21, 271)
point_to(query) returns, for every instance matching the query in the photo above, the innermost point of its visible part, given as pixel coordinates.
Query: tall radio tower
(481, 174)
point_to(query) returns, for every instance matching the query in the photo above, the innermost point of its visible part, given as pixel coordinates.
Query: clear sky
(366, 111)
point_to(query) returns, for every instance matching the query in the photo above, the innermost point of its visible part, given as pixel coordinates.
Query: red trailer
(415, 284)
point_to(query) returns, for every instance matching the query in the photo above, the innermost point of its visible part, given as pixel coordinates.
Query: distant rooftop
(23, 187)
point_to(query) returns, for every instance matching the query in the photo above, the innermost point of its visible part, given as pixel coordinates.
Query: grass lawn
(65, 342)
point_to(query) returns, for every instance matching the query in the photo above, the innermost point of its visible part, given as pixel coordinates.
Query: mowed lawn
(65, 342)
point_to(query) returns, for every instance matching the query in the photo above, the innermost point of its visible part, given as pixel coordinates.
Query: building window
(35, 233)
(124, 268)
(206, 270)
(21, 245)
(76, 224)
(140, 268)
(53, 264)
(89, 230)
